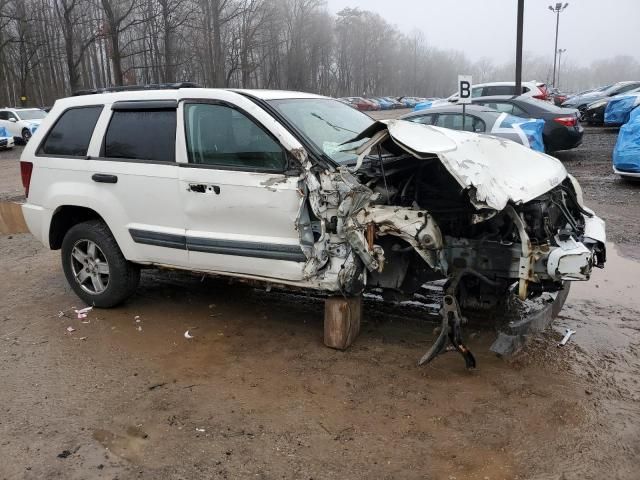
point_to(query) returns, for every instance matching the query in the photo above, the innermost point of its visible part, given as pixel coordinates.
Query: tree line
(51, 48)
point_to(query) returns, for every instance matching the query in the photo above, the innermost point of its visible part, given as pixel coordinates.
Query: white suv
(21, 123)
(529, 89)
(299, 190)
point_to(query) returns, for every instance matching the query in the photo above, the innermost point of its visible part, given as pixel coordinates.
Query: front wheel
(26, 135)
(95, 267)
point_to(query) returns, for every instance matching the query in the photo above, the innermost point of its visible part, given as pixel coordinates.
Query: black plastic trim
(158, 239)
(291, 253)
(138, 105)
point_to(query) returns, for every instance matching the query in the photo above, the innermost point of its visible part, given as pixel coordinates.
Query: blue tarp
(422, 106)
(4, 133)
(532, 128)
(626, 153)
(619, 108)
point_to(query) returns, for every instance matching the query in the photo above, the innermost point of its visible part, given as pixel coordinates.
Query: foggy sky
(589, 29)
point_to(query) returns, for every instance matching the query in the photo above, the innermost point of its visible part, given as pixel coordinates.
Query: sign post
(464, 95)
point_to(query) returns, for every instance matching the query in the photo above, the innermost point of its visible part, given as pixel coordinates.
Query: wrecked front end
(421, 203)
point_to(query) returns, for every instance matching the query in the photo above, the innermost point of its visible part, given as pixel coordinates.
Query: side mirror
(12, 120)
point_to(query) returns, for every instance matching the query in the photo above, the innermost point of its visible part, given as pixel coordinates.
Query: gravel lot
(256, 395)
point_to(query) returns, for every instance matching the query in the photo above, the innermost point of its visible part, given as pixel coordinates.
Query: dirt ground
(255, 394)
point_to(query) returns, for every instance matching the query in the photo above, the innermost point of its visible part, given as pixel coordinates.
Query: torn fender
(416, 227)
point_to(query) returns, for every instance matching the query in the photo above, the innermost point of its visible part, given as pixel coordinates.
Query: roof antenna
(384, 177)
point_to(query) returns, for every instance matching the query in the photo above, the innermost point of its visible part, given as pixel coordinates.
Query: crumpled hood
(499, 170)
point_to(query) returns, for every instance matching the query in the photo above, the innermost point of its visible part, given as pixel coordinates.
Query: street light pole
(560, 52)
(559, 8)
(520, 22)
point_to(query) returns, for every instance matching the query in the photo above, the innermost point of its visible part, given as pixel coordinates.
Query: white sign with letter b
(464, 88)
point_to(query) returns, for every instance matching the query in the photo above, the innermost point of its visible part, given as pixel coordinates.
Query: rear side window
(454, 121)
(141, 135)
(424, 119)
(500, 90)
(71, 134)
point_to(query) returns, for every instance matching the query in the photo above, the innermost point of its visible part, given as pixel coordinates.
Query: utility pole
(558, 9)
(519, 47)
(560, 52)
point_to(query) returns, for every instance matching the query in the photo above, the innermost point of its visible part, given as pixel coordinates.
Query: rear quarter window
(141, 135)
(71, 134)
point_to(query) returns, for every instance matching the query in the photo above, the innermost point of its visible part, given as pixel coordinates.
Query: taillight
(25, 172)
(566, 121)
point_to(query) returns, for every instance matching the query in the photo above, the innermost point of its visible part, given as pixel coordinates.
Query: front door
(240, 206)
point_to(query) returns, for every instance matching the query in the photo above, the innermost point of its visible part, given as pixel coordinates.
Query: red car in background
(360, 103)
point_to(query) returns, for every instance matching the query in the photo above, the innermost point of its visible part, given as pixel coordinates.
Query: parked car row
(381, 103)
(593, 103)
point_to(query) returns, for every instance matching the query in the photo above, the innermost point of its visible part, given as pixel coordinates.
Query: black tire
(26, 135)
(123, 276)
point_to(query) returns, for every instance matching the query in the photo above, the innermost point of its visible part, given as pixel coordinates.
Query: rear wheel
(95, 267)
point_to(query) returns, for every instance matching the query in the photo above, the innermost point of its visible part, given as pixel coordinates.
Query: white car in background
(529, 89)
(21, 123)
(6, 140)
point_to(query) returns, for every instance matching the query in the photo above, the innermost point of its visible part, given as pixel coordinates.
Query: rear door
(240, 203)
(134, 175)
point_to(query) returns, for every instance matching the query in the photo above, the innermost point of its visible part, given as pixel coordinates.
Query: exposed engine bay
(401, 216)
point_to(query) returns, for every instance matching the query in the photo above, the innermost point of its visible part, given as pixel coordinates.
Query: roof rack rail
(126, 88)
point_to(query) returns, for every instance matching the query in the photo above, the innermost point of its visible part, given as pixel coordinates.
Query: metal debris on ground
(567, 335)
(187, 334)
(83, 312)
(200, 429)
(70, 329)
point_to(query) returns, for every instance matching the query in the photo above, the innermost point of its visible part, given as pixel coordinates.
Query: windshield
(31, 114)
(326, 124)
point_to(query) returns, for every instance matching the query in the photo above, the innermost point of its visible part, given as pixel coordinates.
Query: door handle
(202, 188)
(104, 178)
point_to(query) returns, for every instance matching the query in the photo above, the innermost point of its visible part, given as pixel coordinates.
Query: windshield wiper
(332, 125)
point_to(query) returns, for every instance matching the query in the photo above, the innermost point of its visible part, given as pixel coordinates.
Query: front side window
(71, 134)
(222, 136)
(477, 92)
(4, 115)
(141, 135)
